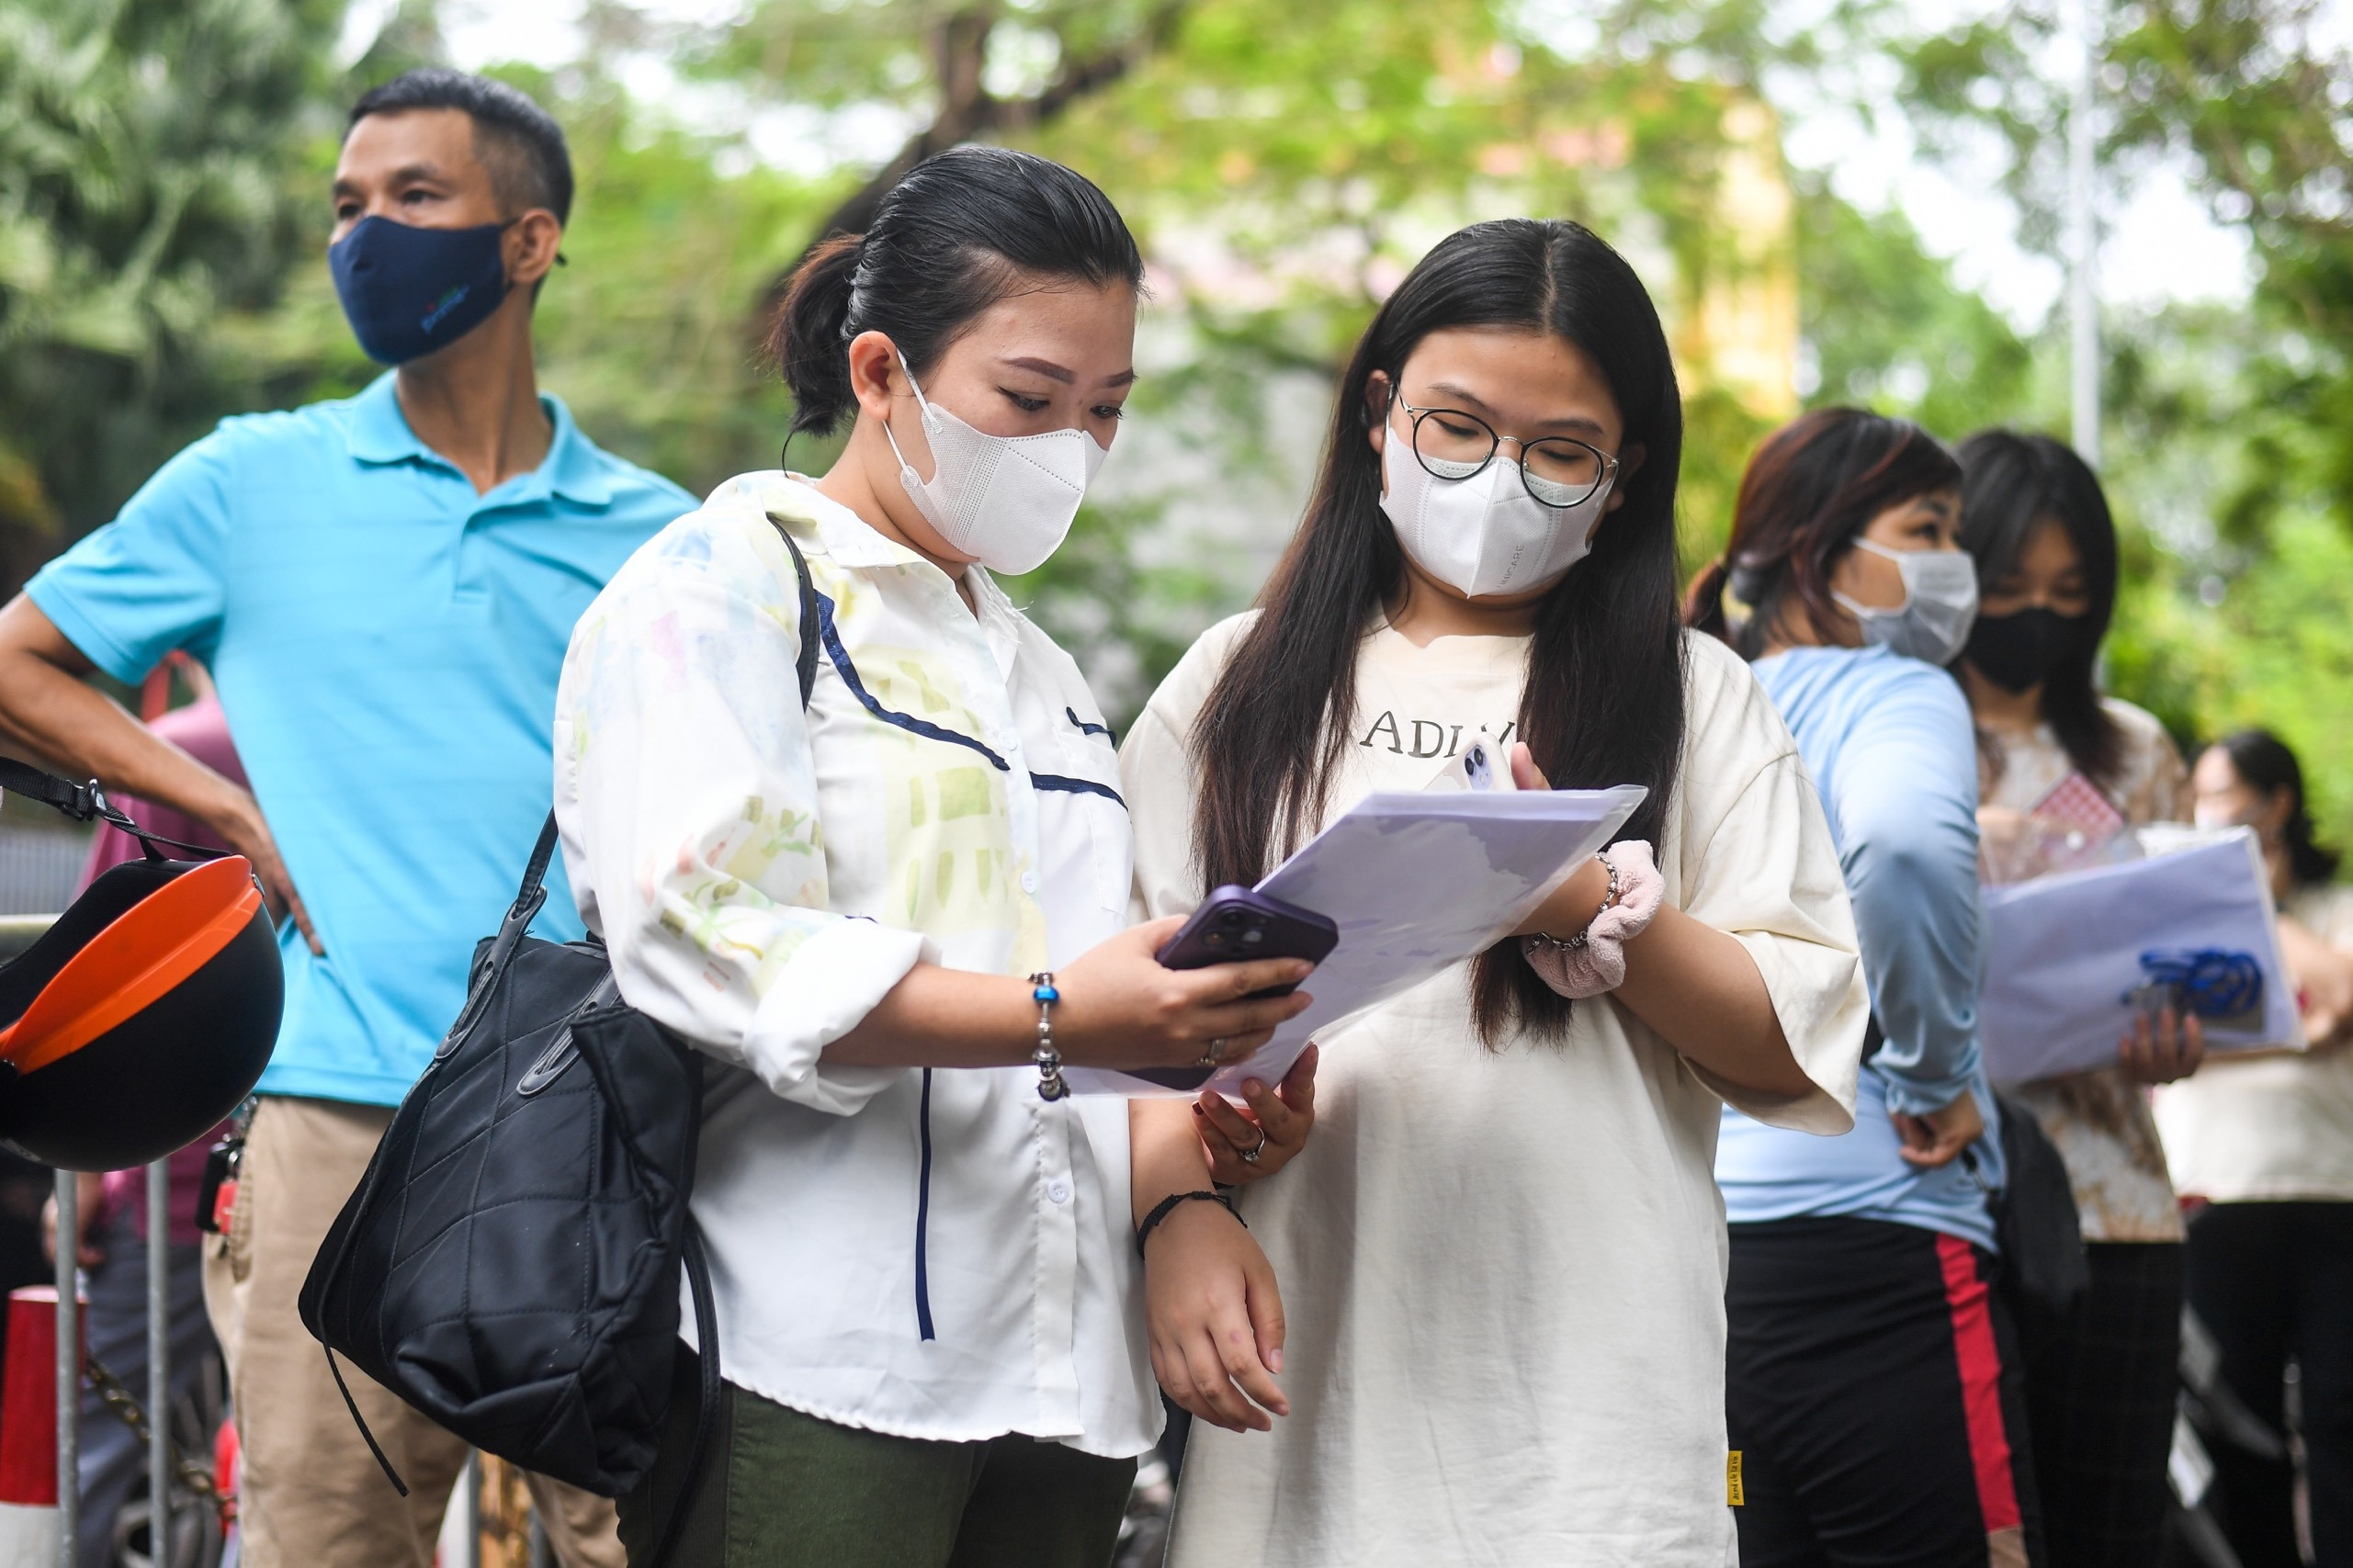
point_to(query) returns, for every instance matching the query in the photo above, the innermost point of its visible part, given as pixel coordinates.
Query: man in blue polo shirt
(383, 588)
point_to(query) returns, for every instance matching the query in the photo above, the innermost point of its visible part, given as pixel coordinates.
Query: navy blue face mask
(408, 290)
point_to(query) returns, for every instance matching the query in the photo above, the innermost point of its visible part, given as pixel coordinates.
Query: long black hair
(1604, 703)
(1809, 491)
(2010, 485)
(965, 229)
(2265, 764)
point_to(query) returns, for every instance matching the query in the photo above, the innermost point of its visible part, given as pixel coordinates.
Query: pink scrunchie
(1599, 962)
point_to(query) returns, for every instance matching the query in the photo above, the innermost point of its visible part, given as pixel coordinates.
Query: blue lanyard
(2209, 981)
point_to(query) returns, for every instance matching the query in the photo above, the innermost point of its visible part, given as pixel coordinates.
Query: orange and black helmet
(145, 1014)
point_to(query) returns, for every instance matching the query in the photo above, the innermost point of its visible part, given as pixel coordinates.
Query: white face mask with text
(1006, 501)
(1485, 534)
(1940, 604)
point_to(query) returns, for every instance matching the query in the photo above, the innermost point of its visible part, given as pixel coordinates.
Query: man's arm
(49, 711)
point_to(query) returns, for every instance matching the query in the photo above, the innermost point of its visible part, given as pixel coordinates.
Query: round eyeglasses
(1558, 471)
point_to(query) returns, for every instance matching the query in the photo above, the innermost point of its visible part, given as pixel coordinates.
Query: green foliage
(646, 332)
(2224, 429)
(1888, 328)
(2269, 650)
(143, 152)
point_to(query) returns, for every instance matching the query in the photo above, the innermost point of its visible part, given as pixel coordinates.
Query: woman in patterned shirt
(929, 1300)
(2061, 766)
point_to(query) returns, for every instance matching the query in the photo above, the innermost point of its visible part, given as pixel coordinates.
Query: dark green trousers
(784, 1490)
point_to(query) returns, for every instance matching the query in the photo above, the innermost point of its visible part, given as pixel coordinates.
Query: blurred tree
(1283, 167)
(2227, 453)
(144, 146)
(2246, 95)
(977, 71)
(1887, 328)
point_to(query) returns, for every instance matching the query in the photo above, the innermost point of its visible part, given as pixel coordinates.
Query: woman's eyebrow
(1053, 372)
(1045, 367)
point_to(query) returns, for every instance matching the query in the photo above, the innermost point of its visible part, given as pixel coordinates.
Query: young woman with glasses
(1501, 1249)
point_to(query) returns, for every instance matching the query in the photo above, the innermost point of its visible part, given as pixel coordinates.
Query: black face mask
(2018, 651)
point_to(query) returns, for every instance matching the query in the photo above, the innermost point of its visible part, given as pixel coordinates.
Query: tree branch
(960, 50)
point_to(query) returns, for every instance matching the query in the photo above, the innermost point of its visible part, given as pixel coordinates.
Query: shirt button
(1058, 1190)
(1029, 882)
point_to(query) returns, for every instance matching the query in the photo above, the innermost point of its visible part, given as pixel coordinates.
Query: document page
(2070, 957)
(1415, 883)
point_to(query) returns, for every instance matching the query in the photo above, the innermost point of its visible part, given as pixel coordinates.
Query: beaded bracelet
(1050, 1086)
(1161, 1210)
(1570, 944)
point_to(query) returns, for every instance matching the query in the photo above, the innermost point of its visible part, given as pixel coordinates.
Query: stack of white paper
(2063, 953)
(1417, 884)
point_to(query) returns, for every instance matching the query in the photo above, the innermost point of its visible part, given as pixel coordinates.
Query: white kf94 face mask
(1484, 533)
(1940, 604)
(1007, 500)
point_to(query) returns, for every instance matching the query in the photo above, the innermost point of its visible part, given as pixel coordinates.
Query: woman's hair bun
(963, 231)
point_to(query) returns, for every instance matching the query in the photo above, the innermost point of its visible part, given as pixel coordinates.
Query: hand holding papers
(1417, 884)
(2069, 957)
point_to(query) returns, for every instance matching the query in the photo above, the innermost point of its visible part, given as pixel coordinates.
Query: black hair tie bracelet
(1161, 1210)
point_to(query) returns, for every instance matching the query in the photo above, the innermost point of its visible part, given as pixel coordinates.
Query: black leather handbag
(2044, 1271)
(509, 1264)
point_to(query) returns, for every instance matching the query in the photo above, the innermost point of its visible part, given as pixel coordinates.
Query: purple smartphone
(1234, 924)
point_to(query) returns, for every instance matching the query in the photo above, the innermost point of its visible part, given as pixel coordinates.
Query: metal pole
(69, 1371)
(2083, 240)
(159, 1351)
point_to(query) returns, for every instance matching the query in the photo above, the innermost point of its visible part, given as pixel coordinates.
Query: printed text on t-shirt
(1426, 736)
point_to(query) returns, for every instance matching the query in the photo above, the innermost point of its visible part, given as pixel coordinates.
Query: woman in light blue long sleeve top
(1872, 1390)
(1888, 741)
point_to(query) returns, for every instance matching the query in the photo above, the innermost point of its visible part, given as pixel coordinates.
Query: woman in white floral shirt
(2061, 765)
(928, 1302)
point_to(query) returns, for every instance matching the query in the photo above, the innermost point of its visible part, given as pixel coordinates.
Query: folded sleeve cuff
(1910, 1097)
(1817, 995)
(835, 978)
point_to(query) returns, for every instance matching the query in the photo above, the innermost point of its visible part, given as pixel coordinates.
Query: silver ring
(1214, 1054)
(1250, 1156)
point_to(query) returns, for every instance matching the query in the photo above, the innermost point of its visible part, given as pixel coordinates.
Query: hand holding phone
(1236, 922)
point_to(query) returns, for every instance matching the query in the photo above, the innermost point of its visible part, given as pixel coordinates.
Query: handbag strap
(707, 1341)
(531, 894)
(83, 802)
(806, 666)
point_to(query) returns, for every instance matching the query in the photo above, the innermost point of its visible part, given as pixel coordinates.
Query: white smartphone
(1481, 766)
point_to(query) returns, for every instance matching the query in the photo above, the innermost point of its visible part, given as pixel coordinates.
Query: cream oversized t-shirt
(1504, 1270)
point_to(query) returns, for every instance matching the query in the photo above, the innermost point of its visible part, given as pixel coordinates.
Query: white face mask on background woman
(1485, 534)
(1006, 501)
(1940, 604)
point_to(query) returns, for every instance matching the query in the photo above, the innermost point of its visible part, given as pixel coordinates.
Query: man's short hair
(518, 141)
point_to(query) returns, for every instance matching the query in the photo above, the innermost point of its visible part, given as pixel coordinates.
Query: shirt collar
(851, 543)
(845, 535)
(380, 433)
